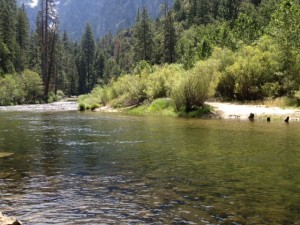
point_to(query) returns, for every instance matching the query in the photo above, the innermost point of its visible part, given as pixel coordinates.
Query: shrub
(160, 104)
(253, 75)
(95, 106)
(160, 82)
(196, 86)
(81, 107)
(10, 90)
(32, 86)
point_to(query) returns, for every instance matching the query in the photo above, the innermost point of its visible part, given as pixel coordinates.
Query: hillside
(104, 16)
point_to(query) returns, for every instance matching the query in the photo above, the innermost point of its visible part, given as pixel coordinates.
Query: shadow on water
(74, 168)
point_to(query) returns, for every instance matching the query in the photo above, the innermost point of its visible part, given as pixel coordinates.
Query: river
(98, 168)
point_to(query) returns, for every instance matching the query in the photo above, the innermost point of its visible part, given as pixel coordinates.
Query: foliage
(236, 50)
(10, 90)
(196, 86)
(253, 75)
(19, 89)
(162, 107)
(81, 107)
(32, 86)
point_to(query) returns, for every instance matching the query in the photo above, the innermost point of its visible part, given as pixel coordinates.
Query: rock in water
(287, 119)
(4, 220)
(5, 154)
(251, 117)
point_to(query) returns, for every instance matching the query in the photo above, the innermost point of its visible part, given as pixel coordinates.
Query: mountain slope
(104, 16)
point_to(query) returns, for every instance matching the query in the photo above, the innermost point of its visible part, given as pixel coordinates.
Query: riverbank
(242, 112)
(219, 110)
(51, 107)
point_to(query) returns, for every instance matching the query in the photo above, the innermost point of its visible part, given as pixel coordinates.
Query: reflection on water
(74, 168)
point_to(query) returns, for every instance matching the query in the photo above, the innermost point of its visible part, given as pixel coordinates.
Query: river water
(96, 168)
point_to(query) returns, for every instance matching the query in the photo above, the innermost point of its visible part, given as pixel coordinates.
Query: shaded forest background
(230, 49)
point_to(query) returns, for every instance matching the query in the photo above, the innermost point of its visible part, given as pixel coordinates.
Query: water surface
(93, 168)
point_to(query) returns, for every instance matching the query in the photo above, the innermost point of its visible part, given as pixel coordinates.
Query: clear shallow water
(74, 168)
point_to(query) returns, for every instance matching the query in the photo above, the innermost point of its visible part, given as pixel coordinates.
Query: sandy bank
(235, 111)
(56, 106)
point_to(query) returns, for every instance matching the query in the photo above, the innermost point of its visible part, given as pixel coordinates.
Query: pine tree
(143, 34)
(169, 42)
(203, 12)
(47, 29)
(8, 31)
(22, 39)
(88, 53)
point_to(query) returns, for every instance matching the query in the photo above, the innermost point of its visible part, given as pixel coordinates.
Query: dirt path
(56, 106)
(235, 111)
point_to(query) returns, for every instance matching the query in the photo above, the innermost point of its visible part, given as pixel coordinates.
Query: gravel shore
(52, 107)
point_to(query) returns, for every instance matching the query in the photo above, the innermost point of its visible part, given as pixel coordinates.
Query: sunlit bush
(196, 86)
(160, 82)
(32, 86)
(11, 92)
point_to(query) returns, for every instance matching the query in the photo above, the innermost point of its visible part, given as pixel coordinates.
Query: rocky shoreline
(4, 220)
(51, 107)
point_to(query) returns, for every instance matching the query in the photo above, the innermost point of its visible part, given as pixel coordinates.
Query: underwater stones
(5, 154)
(4, 220)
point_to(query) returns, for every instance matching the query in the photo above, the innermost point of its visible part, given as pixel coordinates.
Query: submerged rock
(5, 154)
(4, 220)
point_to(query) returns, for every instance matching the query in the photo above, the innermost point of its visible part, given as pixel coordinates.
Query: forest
(232, 50)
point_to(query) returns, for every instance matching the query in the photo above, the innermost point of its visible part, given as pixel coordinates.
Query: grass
(165, 107)
(159, 107)
(197, 113)
(282, 102)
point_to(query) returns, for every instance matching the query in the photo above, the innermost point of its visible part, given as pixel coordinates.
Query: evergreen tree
(8, 32)
(99, 64)
(203, 11)
(88, 48)
(180, 13)
(22, 39)
(192, 16)
(47, 29)
(230, 9)
(169, 43)
(143, 34)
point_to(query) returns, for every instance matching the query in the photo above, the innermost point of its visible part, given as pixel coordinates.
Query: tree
(285, 30)
(143, 36)
(47, 28)
(22, 39)
(8, 32)
(203, 13)
(230, 9)
(88, 48)
(169, 42)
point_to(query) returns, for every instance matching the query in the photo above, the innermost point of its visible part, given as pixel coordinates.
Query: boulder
(4, 220)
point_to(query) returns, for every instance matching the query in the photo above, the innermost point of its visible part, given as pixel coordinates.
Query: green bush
(160, 83)
(253, 75)
(11, 92)
(196, 86)
(81, 107)
(32, 86)
(95, 106)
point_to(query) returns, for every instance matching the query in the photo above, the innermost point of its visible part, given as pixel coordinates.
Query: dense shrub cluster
(18, 89)
(188, 89)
